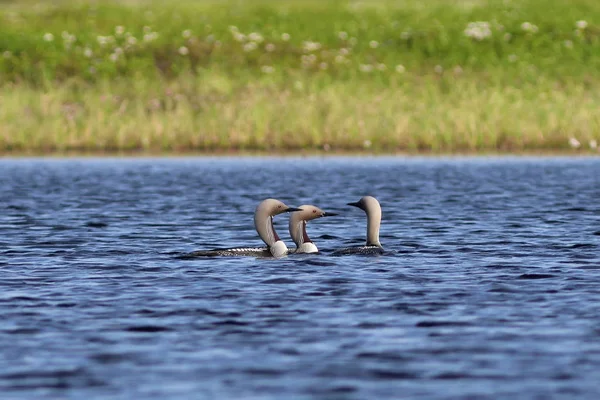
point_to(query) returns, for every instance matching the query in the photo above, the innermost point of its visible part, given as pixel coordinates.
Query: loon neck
(264, 226)
(298, 232)
(373, 224)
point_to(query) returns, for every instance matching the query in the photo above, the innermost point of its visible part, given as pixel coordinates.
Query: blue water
(490, 288)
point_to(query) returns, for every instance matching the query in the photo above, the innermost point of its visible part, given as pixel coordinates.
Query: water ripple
(489, 287)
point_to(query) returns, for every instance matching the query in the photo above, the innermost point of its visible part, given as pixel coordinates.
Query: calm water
(491, 288)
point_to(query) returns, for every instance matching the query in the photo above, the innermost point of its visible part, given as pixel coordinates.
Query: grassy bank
(300, 75)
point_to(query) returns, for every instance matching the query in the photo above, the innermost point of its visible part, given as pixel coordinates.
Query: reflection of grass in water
(452, 76)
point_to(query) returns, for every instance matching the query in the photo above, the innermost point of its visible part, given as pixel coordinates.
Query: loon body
(371, 207)
(263, 222)
(297, 227)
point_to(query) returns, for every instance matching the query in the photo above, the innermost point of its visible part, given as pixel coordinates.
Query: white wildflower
(131, 40)
(48, 37)
(309, 46)
(270, 47)
(285, 37)
(367, 144)
(267, 69)
(118, 50)
(308, 59)
(102, 40)
(400, 69)
(365, 67)
(239, 37)
(373, 44)
(88, 52)
(581, 24)
(184, 51)
(323, 65)
(255, 37)
(150, 36)
(250, 46)
(233, 28)
(529, 27)
(119, 30)
(593, 144)
(343, 35)
(381, 67)
(114, 57)
(478, 30)
(186, 34)
(438, 69)
(574, 143)
(339, 59)
(344, 51)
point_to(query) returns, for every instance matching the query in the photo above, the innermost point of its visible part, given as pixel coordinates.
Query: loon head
(263, 219)
(298, 220)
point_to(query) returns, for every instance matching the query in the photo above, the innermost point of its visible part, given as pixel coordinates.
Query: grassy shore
(452, 76)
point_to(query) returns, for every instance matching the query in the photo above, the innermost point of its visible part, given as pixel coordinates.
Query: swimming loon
(371, 207)
(297, 227)
(263, 222)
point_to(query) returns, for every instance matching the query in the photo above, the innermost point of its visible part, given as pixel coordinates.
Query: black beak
(329, 214)
(354, 204)
(292, 209)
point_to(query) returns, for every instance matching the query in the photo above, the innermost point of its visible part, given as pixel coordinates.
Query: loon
(297, 227)
(371, 207)
(263, 222)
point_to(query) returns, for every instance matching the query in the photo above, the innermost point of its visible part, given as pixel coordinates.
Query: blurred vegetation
(377, 75)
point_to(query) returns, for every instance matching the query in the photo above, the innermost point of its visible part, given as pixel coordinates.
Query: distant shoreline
(296, 154)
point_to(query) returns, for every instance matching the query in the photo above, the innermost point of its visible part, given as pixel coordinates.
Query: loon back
(233, 252)
(362, 250)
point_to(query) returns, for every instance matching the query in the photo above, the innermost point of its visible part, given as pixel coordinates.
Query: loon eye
(314, 211)
(279, 206)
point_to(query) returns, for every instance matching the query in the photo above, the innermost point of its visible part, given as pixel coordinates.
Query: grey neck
(373, 224)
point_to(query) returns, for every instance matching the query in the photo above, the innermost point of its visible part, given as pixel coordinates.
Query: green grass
(300, 75)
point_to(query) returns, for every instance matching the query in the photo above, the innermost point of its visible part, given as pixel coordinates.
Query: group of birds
(299, 217)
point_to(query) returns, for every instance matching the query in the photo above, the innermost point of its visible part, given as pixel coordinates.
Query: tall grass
(291, 75)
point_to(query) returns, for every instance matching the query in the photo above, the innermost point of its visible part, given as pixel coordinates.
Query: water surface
(490, 288)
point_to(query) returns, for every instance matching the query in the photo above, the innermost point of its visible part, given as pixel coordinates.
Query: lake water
(490, 288)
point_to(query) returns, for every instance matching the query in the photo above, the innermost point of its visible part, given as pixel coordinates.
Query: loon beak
(354, 204)
(292, 209)
(329, 214)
